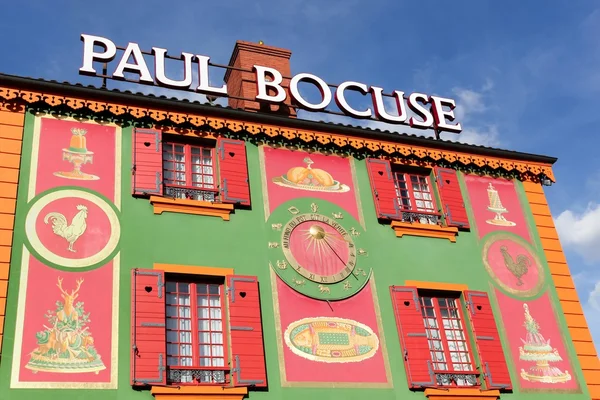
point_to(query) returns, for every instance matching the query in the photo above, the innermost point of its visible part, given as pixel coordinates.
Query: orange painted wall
(11, 138)
(569, 300)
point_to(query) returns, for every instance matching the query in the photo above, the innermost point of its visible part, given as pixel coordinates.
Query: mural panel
(297, 174)
(536, 344)
(335, 344)
(72, 153)
(68, 327)
(495, 205)
(67, 314)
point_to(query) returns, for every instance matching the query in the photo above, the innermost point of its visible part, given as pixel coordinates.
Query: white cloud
(580, 231)
(594, 297)
(487, 136)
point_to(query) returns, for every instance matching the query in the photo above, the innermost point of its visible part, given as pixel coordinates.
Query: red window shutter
(147, 176)
(493, 361)
(233, 171)
(453, 205)
(245, 329)
(384, 191)
(148, 332)
(413, 337)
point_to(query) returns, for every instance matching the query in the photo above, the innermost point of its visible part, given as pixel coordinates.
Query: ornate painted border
(187, 122)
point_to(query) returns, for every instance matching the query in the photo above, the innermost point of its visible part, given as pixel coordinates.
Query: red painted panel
(85, 346)
(278, 162)
(485, 200)
(247, 350)
(54, 168)
(360, 308)
(413, 337)
(148, 331)
(147, 177)
(384, 191)
(489, 346)
(233, 171)
(453, 205)
(533, 333)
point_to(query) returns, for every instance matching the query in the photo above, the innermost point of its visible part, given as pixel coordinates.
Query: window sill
(196, 207)
(425, 230)
(199, 393)
(461, 394)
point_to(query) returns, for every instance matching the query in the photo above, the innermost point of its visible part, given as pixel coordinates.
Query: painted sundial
(513, 264)
(316, 248)
(72, 228)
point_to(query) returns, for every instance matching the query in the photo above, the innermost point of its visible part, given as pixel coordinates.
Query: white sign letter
(440, 115)
(262, 83)
(138, 66)
(420, 110)
(343, 104)
(322, 86)
(160, 67)
(204, 81)
(89, 55)
(380, 113)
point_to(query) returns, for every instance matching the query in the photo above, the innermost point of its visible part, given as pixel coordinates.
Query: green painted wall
(241, 243)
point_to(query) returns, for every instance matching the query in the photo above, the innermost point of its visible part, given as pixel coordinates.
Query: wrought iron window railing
(198, 375)
(191, 193)
(456, 378)
(421, 217)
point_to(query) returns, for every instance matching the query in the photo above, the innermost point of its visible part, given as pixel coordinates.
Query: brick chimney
(243, 84)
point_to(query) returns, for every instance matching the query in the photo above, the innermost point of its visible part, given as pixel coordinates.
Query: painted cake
(78, 143)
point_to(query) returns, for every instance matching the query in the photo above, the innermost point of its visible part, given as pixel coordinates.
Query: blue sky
(525, 78)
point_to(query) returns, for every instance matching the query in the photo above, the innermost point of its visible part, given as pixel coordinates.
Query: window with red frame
(414, 194)
(195, 332)
(189, 171)
(451, 358)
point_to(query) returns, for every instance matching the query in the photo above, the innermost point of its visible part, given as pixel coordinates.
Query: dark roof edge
(177, 105)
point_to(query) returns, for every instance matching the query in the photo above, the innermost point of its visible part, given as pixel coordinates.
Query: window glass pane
(171, 336)
(185, 312)
(185, 337)
(171, 311)
(204, 351)
(202, 301)
(218, 362)
(215, 301)
(205, 362)
(215, 313)
(204, 325)
(216, 326)
(204, 337)
(213, 289)
(183, 287)
(217, 350)
(201, 289)
(217, 338)
(203, 313)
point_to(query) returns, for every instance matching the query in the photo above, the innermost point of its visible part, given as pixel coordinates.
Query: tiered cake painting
(68, 289)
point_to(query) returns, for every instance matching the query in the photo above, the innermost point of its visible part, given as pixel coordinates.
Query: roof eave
(178, 105)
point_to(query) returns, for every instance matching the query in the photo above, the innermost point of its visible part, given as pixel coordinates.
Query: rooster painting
(69, 232)
(518, 267)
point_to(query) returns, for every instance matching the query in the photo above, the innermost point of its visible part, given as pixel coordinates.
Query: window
(199, 327)
(434, 336)
(195, 332)
(192, 168)
(415, 199)
(189, 172)
(408, 194)
(448, 343)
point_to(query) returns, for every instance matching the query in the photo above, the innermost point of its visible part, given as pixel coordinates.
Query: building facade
(153, 247)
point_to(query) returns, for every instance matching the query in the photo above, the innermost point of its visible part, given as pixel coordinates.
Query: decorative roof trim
(523, 170)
